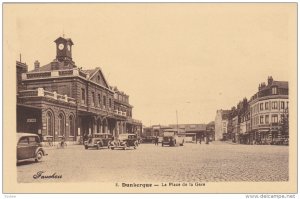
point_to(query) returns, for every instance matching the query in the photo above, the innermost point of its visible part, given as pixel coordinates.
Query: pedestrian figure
(63, 139)
(200, 139)
(90, 138)
(156, 140)
(85, 137)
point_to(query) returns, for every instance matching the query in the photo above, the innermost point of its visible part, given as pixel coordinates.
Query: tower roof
(64, 39)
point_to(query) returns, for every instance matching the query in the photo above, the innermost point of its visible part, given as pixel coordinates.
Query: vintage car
(148, 139)
(171, 138)
(29, 147)
(99, 140)
(125, 141)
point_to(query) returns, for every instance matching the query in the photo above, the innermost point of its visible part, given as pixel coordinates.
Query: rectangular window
(24, 141)
(266, 105)
(274, 90)
(99, 100)
(267, 119)
(109, 102)
(274, 105)
(104, 101)
(274, 118)
(82, 96)
(261, 119)
(261, 106)
(287, 105)
(282, 105)
(33, 140)
(93, 99)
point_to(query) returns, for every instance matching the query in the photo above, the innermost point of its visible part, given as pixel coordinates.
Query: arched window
(104, 126)
(49, 124)
(99, 126)
(61, 125)
(71, 125)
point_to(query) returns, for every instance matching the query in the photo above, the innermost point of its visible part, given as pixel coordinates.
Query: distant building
(221, 123)
(191, 131)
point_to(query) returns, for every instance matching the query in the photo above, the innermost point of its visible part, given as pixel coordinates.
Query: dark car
(125, 141)
(29, 147)
(99, 140)
(171, 138)
(148, 139)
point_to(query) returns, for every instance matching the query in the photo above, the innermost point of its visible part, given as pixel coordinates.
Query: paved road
(193, 162)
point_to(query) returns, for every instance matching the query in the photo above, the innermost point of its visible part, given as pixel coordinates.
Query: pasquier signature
(41, 175)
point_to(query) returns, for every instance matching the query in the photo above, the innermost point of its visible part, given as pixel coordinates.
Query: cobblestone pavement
(149, 163)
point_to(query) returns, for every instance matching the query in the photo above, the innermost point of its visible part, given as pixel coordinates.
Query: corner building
(61, 98)
(268, 107)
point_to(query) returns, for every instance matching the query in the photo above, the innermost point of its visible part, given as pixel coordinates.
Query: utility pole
(177, 121)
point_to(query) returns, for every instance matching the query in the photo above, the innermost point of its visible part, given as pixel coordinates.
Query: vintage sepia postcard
(150, 98)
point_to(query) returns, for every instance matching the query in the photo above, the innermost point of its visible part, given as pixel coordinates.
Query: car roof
(25, 134)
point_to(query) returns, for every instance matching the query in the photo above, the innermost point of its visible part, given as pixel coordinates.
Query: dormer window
(274, 90)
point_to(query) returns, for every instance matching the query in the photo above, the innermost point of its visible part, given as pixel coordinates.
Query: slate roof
(47, 67)
(225, 114)
(279, 84)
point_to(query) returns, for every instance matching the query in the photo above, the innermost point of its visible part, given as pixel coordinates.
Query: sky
(190, 58)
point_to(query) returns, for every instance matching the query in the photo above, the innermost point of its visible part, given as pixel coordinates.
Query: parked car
(148, 139)
(125, 141)
(99, 140)
(29, 147)
(171, 138)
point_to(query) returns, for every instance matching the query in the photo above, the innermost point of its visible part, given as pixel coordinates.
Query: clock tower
(64, 50)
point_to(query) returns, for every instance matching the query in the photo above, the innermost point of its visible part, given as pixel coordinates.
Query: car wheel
(162, 144)
(112, 148)
(86, 147)
(98, 147)
(39, 156)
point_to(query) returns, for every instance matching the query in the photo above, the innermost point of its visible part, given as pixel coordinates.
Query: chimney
(259, 87)
(270, 80)
(36, 65)
(54, 65)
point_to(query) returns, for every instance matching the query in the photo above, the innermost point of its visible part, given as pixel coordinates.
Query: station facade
(61, 99)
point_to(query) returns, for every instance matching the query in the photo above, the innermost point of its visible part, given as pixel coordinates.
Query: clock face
(61, 46)
(69, 47)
